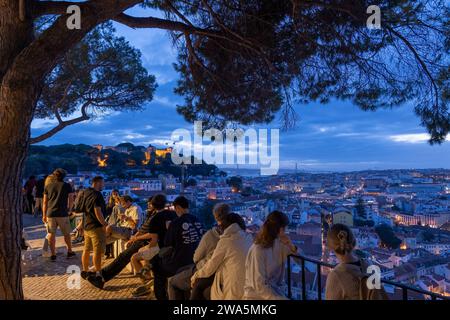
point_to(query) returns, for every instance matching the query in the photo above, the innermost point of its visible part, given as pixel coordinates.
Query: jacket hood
(232, 230)
(215, 232)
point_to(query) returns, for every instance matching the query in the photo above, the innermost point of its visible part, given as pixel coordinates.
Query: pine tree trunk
(11, 163)
(24, 63)
(16, 109)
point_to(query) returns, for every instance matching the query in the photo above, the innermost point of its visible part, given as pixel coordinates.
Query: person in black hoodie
(182, 238)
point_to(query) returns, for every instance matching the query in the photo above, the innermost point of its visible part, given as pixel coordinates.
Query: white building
(435, 248)
(151, 185)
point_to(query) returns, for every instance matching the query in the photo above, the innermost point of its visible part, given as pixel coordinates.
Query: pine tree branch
(62, 124)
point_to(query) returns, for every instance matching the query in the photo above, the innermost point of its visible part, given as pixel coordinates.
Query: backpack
(79, 203)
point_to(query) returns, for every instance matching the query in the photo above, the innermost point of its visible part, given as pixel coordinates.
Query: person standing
(45, 248)
(93, 206)
(77, 233)
(113, 200)
(57, 203)
(114, 210)
(28, 189)
(38, 196)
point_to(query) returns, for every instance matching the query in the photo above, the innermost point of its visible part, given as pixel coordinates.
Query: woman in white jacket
(266, 260)
(227, 261)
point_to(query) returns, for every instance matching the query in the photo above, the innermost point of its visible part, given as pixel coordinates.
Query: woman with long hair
(266, 259)
(113, 211)
(113, 200)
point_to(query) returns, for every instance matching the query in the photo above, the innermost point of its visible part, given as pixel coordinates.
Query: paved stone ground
(46, 280)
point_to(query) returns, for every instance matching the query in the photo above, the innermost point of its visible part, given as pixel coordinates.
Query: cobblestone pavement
(46, 280)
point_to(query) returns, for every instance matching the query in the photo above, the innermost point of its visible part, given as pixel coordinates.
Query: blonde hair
(340, 239)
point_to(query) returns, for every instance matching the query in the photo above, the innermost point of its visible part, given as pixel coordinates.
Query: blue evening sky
(335, 136)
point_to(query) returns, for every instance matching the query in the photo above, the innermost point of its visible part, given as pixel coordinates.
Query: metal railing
(319, 264)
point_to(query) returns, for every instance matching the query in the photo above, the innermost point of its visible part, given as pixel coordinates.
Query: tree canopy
(387, 236)
(102, 73)
(279, 52)
(247, 61)
(235, 182)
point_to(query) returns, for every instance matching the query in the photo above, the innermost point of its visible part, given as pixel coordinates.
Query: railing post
(319, 281)
(303, 280)
(289, 277)
(405, 293)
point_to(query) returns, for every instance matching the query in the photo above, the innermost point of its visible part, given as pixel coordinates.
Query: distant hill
(123, 160)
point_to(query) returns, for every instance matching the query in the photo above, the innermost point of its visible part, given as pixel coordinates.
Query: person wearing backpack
(349, 279)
